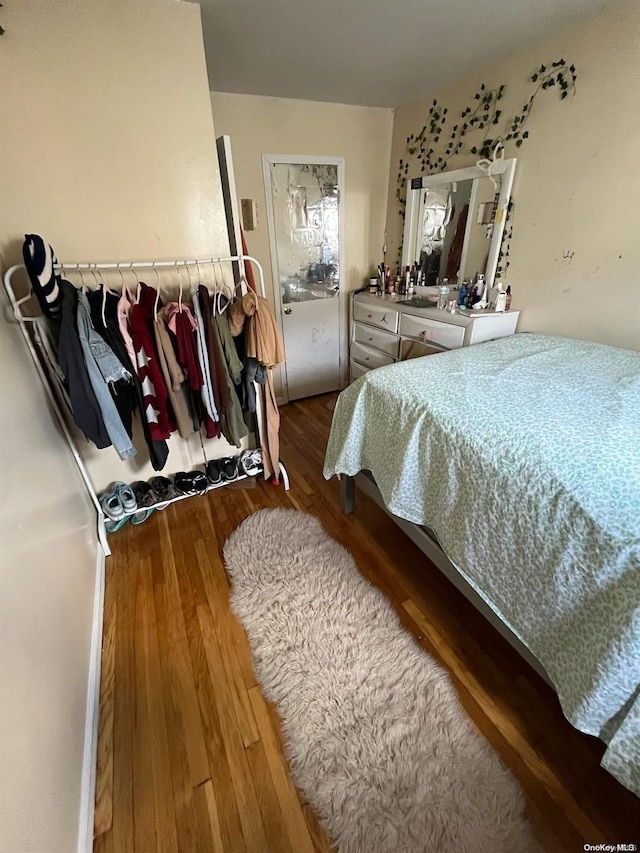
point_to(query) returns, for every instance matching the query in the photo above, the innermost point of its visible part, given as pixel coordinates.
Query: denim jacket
(103, 367)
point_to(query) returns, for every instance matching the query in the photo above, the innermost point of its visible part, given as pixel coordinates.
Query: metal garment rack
(24, 321)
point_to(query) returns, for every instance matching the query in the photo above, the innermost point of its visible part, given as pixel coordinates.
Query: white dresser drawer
(369, 356)
(376, 315)
(376, 338)
(444, 334)
(357, 370)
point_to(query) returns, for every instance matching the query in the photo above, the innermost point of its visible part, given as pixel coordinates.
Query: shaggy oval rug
(374, 732)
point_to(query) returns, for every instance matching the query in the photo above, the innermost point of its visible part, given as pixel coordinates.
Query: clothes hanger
(180, 291)
(216, 288)
(190, 281)
(138, 284)
(95, 277)
(223, 308)
(157, 299)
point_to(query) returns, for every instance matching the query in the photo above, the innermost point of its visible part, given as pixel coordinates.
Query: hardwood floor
(189, 755)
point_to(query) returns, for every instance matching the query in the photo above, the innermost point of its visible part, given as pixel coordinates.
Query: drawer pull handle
(370, 339)
(369, 316)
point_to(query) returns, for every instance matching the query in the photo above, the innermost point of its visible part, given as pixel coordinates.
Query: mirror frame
(505, 168)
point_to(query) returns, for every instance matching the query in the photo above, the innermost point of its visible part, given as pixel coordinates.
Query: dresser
(384, 327)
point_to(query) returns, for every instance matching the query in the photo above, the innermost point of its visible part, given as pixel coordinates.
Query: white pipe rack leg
(102, 535)
(284, 476)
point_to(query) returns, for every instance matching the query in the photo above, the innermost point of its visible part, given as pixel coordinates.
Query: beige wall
(107, 149)
(362, 135)
(577, 181)
(111, 153)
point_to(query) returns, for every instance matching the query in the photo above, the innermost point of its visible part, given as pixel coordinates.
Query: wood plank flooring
(190, 756)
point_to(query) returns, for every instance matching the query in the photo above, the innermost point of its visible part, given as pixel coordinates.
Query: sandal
(144, 494)
(125, 493)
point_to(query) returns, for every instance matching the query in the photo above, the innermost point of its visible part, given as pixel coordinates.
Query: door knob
(288, 310)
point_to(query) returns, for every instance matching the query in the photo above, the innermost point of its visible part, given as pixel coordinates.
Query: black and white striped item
(39, 259)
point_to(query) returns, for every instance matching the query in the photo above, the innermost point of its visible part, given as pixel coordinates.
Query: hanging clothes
(122, 391)
(158, 450)
(124, 316)
(103, 369)
(232, 423)
(182, 323)
(262, 342)
(154, 389)
(174, 378)
(39, 260)
(43, 331)
(216, 366)
(209, 410)
(248, 268)
(84, 405)
(252, 372)
(229, 351)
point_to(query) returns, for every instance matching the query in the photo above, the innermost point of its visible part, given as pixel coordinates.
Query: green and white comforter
(523, 456)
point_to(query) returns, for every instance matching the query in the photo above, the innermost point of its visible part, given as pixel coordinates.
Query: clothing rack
(24, 321)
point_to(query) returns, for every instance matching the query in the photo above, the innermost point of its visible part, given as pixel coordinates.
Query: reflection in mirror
(456, 226)
(305, 202)
(454, 222)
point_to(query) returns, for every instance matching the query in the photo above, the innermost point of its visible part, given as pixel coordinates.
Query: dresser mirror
(455, 221)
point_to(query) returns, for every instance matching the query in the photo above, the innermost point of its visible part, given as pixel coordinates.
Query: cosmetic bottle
(508, 299)
(462, 293)
(501, 299)
(412, 279)
(443, 294)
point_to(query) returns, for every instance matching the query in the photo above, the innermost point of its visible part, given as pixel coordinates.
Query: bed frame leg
(347, 494)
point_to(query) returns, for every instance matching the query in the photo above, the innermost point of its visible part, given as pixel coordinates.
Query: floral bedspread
(523, 456)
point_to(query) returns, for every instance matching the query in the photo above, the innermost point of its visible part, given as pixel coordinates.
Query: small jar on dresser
(383, 329)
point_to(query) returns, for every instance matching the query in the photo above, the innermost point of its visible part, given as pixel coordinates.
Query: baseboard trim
(90, 756)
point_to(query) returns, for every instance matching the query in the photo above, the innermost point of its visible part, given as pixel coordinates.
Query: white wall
(577, 181)
(362, 135)
(108, 150)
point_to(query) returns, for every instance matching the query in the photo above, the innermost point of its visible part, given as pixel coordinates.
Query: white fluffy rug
(375, 735)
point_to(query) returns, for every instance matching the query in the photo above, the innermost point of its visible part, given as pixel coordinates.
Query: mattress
(523, 456)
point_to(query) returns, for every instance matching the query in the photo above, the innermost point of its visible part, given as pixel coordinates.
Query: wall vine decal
(431, 153)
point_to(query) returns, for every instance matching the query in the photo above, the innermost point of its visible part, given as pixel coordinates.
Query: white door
(305, 230)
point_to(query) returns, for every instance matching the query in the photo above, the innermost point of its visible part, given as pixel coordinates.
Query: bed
(515, 464)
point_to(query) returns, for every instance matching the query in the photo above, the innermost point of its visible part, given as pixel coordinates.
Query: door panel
(312, 344)
(306, 226)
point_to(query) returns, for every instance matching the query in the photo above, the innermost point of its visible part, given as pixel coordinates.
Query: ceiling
(381, 53)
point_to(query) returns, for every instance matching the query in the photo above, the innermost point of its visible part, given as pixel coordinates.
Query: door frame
(269, 160)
